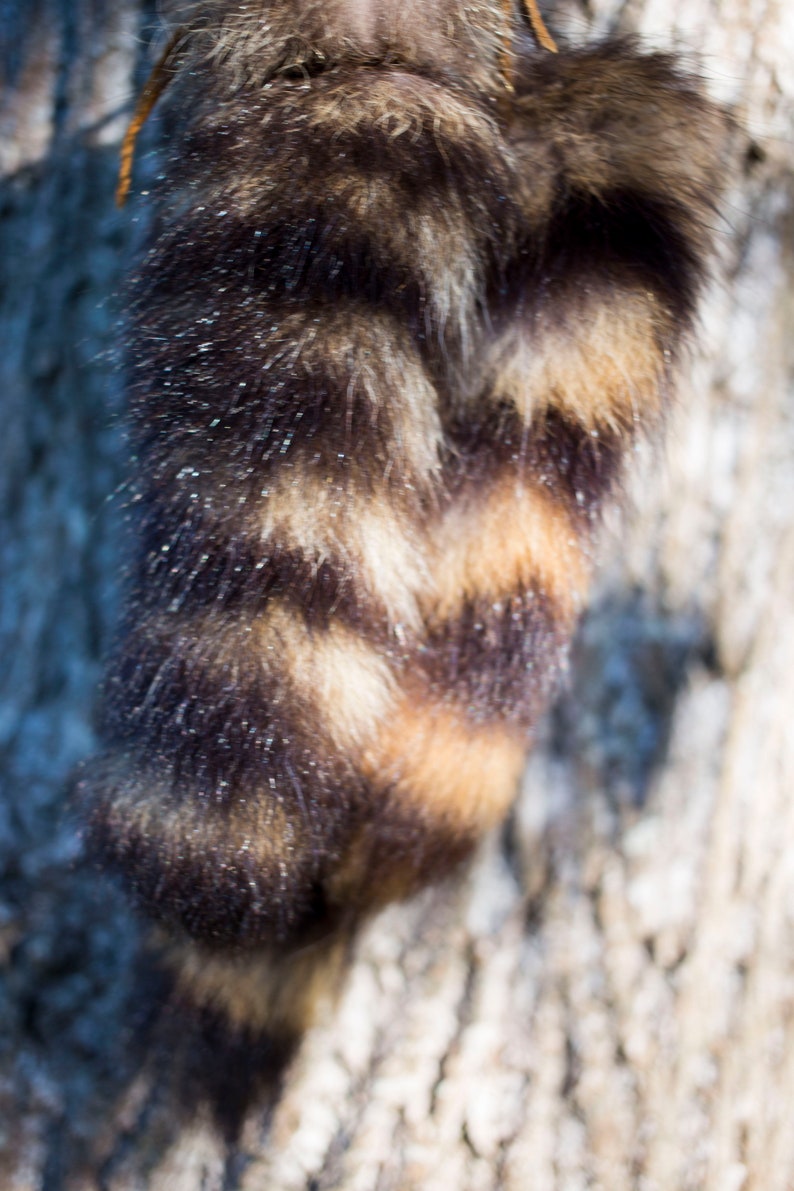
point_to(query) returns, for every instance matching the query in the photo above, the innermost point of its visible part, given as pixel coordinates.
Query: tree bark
(606, 999)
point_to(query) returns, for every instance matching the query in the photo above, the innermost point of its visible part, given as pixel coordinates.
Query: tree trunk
(606, 998)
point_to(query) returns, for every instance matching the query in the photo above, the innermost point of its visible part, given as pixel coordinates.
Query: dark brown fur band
(397, 328)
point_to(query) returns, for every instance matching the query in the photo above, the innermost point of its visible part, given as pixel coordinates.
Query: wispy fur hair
(400, 322)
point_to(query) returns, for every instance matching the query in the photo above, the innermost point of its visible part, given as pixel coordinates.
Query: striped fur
(396, 331)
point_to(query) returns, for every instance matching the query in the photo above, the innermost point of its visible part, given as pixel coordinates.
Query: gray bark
(605, 999)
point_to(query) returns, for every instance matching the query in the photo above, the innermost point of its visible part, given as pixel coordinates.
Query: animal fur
(398, 327)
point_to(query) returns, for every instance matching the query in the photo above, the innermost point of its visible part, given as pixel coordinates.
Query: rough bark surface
(607, 998)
